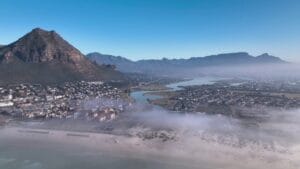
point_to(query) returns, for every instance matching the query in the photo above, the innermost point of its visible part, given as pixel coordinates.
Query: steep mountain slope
(45, 57)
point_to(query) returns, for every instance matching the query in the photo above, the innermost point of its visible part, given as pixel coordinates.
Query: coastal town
(99, 101)
(233, 99)
(93, 101)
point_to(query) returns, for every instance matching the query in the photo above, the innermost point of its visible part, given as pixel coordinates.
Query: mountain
(158, 66)
(45, 57)
(266, 58)
(120, 62)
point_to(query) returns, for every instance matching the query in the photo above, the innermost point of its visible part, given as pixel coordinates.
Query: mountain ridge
(43, 56)
(150, 65)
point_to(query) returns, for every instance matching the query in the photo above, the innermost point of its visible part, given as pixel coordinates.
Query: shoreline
(155, 150)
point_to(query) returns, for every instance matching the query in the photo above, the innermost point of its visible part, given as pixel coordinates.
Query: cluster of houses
(90, 100)
(244, 96)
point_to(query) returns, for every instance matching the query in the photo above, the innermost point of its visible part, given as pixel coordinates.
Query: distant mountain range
(45, 57)
(170, 65)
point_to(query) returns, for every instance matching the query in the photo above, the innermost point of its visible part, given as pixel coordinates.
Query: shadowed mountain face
(41, 46)
(45, 57)
(173, 65)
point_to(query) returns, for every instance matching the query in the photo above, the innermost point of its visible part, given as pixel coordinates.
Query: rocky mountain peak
(41, 46)
(43, 56)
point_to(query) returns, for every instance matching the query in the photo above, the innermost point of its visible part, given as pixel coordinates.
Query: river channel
(141, 97)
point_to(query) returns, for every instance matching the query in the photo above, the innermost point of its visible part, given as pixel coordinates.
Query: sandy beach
(182, 153)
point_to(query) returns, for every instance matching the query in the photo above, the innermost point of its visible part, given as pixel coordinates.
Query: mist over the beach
(160, 84)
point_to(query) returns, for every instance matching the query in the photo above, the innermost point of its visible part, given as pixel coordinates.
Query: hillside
(45, 57)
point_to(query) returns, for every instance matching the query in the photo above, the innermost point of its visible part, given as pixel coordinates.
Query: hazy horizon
(157, 29)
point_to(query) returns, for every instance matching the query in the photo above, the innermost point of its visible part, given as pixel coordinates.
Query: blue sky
(141, 29)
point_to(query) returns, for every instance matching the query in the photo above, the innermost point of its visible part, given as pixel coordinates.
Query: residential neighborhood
(87, 100)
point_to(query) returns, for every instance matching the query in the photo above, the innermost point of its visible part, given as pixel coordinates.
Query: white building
(6, 104)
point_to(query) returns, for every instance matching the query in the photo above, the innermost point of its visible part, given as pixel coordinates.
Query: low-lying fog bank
(161, 139)
(274, 71)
